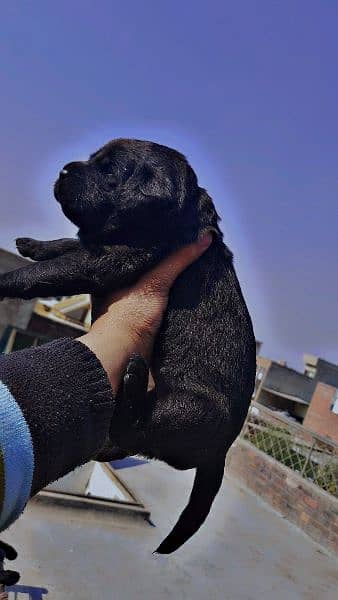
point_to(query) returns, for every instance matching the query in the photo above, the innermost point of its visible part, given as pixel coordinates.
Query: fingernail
(205, 239)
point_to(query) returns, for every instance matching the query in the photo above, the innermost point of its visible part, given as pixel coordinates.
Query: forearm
(56, 406)
(57, 400)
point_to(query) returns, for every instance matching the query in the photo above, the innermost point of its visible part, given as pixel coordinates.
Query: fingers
(157, 282)
(164, 275)
(24, 246)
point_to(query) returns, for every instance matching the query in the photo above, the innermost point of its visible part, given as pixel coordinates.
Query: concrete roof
(245, 551)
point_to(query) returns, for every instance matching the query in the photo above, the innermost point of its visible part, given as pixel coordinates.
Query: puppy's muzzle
(72, 168)
(70, 177)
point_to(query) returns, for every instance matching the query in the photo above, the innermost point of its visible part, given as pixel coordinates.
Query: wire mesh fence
(315, 458)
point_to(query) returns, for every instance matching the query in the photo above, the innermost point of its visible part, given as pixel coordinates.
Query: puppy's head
(134, 192)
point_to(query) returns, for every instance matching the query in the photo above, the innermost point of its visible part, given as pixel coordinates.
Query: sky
(247, 90)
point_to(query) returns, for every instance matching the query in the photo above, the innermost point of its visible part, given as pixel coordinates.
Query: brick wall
(319, 417)
(303, 503)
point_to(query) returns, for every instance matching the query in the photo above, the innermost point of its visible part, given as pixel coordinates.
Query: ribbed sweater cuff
(66, 400)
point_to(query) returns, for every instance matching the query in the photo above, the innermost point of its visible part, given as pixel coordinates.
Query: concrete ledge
(96, 504)
(299, 500)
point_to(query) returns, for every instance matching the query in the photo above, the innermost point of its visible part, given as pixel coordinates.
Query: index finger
(164, 274)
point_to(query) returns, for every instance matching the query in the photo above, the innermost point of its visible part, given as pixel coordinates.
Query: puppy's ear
(208, 217)
(153, 182)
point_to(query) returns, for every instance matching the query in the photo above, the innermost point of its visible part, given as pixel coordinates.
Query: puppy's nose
(70, 168)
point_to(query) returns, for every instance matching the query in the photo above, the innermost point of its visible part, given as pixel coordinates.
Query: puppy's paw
(135, 382)
(9, 286)
(130, 399)
(28, 247)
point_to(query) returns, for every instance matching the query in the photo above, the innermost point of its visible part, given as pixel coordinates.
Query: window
(16, 339)
(334, 406)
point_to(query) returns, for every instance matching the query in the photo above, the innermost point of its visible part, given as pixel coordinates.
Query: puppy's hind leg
(129, 405)
(135, 384)
(39, 250)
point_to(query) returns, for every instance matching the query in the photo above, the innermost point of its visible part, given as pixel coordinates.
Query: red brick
(334, 530)
(333, 537)
(310, 502)
(296, 499)
(316, 531)
(334, 546)
(304, 517)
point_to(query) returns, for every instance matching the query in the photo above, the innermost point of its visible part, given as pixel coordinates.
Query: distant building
(310, 397)
(258, 347)
(321, 370)
(13, 313)
(322, 414)
(25, 323)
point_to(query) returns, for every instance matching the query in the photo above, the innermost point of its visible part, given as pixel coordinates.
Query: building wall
(327, 372)
(271, 400)
(264, 363)
(262, 368)
(13, 311)
(19, 313)
(52, 329)
(299, 410)
(288, 381)
(319, 417)
(300, 501)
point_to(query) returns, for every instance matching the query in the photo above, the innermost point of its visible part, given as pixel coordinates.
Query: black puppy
(134, 203)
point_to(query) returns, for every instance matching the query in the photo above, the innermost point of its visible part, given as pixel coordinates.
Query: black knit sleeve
(67, 401)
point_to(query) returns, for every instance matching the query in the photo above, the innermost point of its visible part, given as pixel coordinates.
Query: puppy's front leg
(39, 250)
(78, 272)
(65, 275)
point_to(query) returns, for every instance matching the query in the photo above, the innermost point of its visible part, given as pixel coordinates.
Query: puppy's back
(206, 345)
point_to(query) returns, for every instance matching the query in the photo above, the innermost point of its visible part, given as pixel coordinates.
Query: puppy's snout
(71, 167)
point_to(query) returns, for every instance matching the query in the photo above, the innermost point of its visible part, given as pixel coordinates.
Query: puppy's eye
(106, 167)
(128, 170)
(111, 180)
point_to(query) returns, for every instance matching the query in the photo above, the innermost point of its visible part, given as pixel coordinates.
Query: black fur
(7, 577)
(135, 202)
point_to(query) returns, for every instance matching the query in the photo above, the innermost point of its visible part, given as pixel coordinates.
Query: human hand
(126, 322)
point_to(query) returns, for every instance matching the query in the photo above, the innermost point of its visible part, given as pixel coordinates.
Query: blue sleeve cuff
(17, 459)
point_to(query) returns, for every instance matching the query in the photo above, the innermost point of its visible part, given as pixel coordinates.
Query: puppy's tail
(207, 482)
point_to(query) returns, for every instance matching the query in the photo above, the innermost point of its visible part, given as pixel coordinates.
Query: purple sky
(247, 90)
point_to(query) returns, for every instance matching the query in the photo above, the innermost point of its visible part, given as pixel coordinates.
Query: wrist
(113, 346)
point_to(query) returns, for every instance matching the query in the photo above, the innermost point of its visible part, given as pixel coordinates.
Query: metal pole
(307, 460)
(3, 593)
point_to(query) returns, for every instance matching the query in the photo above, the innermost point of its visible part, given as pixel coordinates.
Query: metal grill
(313, 457)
